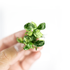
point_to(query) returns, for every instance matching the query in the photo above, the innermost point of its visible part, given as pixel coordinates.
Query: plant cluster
(32, 35)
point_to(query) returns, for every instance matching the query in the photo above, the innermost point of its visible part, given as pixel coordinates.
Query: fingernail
(19, 47)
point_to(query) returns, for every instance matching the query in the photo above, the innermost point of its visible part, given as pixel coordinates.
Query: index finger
(11, 40)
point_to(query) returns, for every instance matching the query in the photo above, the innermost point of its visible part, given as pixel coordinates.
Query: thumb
(7, 56)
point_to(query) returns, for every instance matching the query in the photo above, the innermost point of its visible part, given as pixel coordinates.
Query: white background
(56, 13)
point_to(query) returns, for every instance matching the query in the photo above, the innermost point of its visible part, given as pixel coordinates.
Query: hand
(12, 55)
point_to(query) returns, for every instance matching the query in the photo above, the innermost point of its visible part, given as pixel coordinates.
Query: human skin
(21, 60)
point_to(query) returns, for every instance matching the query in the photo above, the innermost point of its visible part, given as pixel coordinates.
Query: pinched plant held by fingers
(32, 35)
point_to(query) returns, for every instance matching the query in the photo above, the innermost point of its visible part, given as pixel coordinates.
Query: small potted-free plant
(32, 35)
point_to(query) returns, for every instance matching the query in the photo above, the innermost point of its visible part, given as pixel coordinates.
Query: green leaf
(26, 32)
(29, 26)
(39, 43)
(20, 40)
(37, 33)
(34, 24)
(26, 48)
(29, 33)
(30, 45)
(33, 38)
(24, 42)
(41, 26)
(28, 39)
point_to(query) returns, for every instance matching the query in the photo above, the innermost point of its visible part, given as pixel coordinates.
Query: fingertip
(30, 59)
(37, 55)
(38, 49)
(20, 33)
